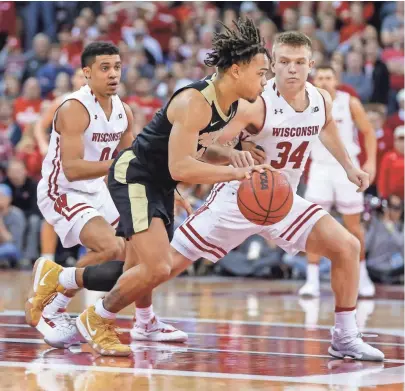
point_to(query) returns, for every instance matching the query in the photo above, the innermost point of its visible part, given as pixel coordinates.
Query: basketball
(266, 198)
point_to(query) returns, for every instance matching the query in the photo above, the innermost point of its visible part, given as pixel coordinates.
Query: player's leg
(319, 191)
(352, 221)
(49, 241)
(333, 241)
(152, 248)
(309, 228)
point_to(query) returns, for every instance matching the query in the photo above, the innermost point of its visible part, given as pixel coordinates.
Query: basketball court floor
(244, 334)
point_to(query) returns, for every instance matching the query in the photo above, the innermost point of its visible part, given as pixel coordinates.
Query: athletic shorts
(70, 211)
(328, 185)
(219, 226)
(137, 197)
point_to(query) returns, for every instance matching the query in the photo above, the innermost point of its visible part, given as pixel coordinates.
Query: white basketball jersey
(100, 140)
(347, 130)
(287, 136)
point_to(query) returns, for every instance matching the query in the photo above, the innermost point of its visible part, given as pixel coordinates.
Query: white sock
(49, 256)
(67, 278)
(313, 273)
(101, 311)
(144, 315)
(60, 301)
(346, 320)
(363, 269)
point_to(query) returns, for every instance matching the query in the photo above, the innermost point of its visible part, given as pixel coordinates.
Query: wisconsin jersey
(100, 140)
(152, 144)
(347, 130)
(287, 136)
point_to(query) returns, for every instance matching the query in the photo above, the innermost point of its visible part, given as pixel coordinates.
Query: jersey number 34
(285, 156)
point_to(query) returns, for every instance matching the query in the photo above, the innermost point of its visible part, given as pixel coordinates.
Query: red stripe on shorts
(191, 239)
(298, 219)
(303, 222)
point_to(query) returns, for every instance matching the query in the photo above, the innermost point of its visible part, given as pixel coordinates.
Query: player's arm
(330, 138)
(72, 143)
(43, 124)
(190, 113)
(128, 136)
(370, 141)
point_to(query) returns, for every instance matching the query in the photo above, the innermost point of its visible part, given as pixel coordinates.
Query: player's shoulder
(190, 99)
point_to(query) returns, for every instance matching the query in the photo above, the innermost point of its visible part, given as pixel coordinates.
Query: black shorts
(137, 198)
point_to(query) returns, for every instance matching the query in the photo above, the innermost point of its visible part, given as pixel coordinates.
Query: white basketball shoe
(157, 331)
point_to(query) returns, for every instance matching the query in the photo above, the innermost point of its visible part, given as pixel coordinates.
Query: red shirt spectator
(27, 107)
(8, 17)
(391, 179)
(357, 22)
(394, 58)
(148, 105)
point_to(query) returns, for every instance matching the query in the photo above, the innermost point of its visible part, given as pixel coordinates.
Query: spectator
(137, 37)
(392, 26)
(12, 59)
(397, 118)
(24, 197)
(8, 127)
(145, 99)
(12, 227)
(327, 33)
(131, 78)
(307, 26)
(378, 71)
(62, 86)
(356, 24)
(38, 56)
(391, 179)
(290, 20)
(393, 56)
(268, 30)
(32, 13)
(206, 35)
(140, 61)
(10, 87)
(27, 107)
(48, 73)
(174, 53)
(355, 76)
(385, 242)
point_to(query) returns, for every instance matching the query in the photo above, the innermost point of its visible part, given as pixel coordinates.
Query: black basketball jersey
(152, 144)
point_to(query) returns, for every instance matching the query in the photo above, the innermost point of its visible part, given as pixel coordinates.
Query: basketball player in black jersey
(177, 145)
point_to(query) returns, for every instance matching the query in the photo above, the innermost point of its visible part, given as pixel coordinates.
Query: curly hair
(235, 46)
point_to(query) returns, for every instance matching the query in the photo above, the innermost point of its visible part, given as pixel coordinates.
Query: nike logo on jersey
(42, 282)
(213, 123)
(91, 331)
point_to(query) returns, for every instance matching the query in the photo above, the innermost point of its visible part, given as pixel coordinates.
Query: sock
(313, 273)
(363, 269)
(49, 256)
(345, 320)
(67, 278)
(60, 301)
(144, 315)
(102, 278)
(101, 311)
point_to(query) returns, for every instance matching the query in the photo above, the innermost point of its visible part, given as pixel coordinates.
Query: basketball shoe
(101, 334)
(349, 343)
(45, 285)
(157, 331)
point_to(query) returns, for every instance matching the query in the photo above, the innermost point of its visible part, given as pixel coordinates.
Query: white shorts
(219, 226)
(328, 185)
(71, 211)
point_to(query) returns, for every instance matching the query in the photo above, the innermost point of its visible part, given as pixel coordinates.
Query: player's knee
(112, 250)
(351, 247)
(160, 273)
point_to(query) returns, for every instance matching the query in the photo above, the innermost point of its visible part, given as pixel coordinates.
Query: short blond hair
(292, 38)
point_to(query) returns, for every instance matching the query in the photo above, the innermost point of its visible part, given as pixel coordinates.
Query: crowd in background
(162, 47)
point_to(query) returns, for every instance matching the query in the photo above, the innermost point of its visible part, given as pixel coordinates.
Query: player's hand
(359, 177)
(246, 172)
(370, 168)
(257, 152)
(241, 158)
(183, 203)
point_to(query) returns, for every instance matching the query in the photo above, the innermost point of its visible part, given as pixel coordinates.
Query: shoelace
(112, 333)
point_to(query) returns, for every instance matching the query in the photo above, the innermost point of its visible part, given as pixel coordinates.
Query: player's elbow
(69, 171)
(179, 170)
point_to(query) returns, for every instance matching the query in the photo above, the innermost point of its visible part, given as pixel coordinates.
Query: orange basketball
(266, 198)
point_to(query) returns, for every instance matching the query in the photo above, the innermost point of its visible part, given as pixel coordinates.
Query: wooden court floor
(244, 334)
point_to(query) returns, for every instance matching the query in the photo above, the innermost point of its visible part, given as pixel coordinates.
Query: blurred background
(163, 45)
